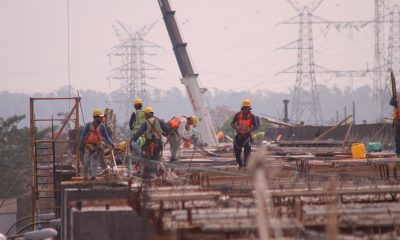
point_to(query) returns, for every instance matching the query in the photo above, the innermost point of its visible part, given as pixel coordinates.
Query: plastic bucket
(358, 150)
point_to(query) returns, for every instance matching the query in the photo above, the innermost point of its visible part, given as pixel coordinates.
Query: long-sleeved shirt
(143, 129)
(393, 102)
(103, 132)
(254, 124)
(132, 120)
(182, 128)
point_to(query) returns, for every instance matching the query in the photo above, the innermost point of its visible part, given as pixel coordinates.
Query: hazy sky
(232, 42)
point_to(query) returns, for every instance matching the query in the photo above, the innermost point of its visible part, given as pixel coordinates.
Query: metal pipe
(286, 114)
(33, 156)
(53, 150)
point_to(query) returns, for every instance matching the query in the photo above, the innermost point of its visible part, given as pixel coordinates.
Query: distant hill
(173, 102)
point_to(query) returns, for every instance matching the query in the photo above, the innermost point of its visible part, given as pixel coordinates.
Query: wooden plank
(320, 192)
(213, 214)
(276, 121)
(310, 143)
(311, 150)
(359, 211)
(324, 134)
(184, 196)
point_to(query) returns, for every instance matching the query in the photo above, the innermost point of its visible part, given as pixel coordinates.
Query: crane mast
(189, 77)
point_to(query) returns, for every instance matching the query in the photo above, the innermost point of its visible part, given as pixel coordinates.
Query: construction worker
(91, 143)
(101, 160)
(137, 119)
(396, 124)
(180, 130)
(244, 122)
(153, 129)
(126, 156)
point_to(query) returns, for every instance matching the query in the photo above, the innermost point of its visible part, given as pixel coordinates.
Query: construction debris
(293, 188)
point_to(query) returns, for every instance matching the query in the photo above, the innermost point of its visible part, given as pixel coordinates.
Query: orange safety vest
(94, 135)
(244, 122)
(396, 115)
(174, 122)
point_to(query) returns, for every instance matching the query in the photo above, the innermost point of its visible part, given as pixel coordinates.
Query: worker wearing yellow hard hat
(136, 120)
(122, 146)
(98, 113)
(244, 122)
(152, 129)
(246, 103)
(148, 110)
(91, 143)
(137, 117)
(181, 129)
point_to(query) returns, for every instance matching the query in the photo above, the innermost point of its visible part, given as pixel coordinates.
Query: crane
(189, 77)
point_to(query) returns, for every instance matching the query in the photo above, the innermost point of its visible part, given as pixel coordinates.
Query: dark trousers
(397, 136)
(152, 151)
(239, 143)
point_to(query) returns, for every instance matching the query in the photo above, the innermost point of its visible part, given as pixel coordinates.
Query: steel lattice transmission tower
(383, 64)
(132, 68)
(379, 61)
(305, 103)
(393, 56)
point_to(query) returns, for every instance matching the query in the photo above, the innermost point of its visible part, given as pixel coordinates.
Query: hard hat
(246, 103)
(148, 110)
(220, 135)
(137, 101)
(98, 113)
(122, 146)
(195, 120)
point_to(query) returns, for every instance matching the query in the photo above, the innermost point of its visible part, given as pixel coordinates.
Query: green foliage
(14, 153)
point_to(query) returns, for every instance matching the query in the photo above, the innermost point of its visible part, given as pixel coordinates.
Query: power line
(69, 54)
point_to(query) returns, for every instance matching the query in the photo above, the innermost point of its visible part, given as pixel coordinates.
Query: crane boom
(189, 77)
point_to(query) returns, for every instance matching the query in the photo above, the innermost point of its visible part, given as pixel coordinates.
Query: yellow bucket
(358, 150)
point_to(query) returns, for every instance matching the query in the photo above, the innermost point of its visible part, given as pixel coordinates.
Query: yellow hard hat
(122, 146)
(195, 120)
(246, 103)
(98, 112)
(148, 110)
(137, 101)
